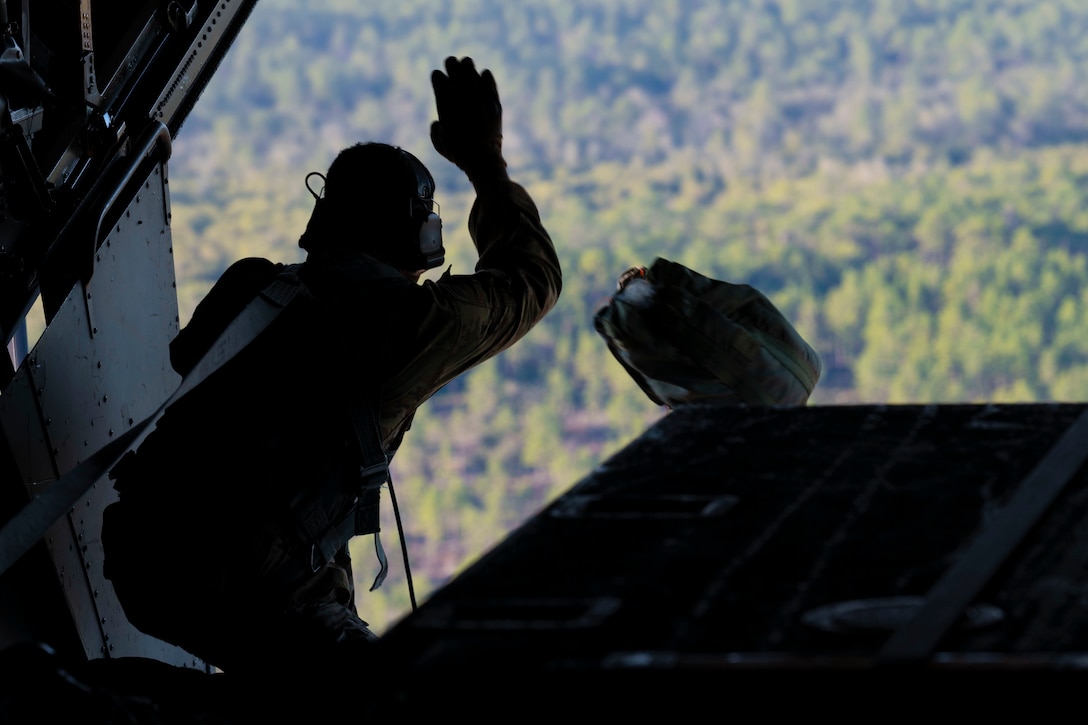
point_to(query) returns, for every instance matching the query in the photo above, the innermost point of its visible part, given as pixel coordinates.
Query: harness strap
(373, 472)
(313, 509)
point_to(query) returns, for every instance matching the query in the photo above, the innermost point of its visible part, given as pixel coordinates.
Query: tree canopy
(905, 180)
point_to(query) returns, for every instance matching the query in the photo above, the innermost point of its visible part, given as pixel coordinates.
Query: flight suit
(199, 547)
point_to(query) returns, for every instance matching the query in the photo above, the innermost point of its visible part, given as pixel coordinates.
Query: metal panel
(24, 427)
(102, 364)
(203, 54)
(100, 368)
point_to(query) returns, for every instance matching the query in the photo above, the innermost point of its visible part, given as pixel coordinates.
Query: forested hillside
(904, 178)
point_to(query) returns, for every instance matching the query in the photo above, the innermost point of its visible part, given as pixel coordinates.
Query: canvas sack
(687, 338)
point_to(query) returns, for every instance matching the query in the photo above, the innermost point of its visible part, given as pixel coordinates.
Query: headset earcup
(431, 250)
(427, 223)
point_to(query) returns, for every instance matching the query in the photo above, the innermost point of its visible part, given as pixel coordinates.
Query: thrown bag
(686, 338)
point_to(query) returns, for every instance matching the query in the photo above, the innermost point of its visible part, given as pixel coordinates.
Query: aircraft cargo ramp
(824, 546)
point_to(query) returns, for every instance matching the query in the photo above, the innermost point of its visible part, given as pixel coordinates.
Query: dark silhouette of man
(229, 536)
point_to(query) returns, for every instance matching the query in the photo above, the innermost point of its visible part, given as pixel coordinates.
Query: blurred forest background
(905, 179)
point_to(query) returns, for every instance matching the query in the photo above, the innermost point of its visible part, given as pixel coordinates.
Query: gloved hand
(468, 131)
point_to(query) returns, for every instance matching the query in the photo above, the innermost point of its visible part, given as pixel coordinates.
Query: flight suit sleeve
(464, 320)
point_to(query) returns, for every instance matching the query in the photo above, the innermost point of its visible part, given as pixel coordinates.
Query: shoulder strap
(325, 535)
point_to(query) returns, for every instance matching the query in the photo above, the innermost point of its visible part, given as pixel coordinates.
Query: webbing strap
(374, 470)
(383, 561)
(311, 510)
